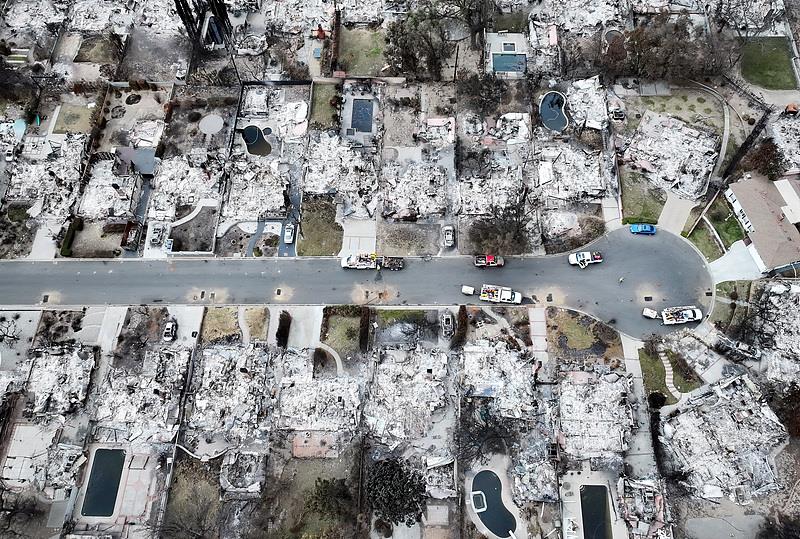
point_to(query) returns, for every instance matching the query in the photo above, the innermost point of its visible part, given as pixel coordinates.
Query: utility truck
(499, 294)
(372, 261)
(681, 315)
(584, 258)
(489, 261)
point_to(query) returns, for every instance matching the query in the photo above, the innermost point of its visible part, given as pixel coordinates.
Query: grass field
(321, 109)
(320, 235)
(704, 240)
(767, 62)
(343, 332)
(725, 222)
(641, 202)
(361, 51)
(654, 376)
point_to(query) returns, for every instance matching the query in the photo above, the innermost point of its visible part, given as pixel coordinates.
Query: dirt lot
(58, 327)
(16, 232)
(220, 325)
(189, 106)
(257, 319)
(142, 328)
(361, 51)
(235, 241)
(196, 235)
(92, 242)
(407, 239)
(575, 337)
(97, 50)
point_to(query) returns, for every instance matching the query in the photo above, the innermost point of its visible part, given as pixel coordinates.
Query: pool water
(361, 119)
(594, 512)
(551, 111)
(101, 492)
(509, 63)
(254, 140)
(497, 518)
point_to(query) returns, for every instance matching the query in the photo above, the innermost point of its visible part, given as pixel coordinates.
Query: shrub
(462, 325)
(363, 336)
(284, 324)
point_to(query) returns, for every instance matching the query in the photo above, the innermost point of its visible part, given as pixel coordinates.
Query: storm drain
(277, 291)
(648, 298)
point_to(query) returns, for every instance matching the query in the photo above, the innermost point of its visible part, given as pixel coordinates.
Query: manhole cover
(211, 124)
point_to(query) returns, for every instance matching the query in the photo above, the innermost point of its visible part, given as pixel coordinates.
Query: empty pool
(101, 492)
(361, 118)
(594, 512)
(551, 111)
(254, 139)
(509, 63)
(488, 503)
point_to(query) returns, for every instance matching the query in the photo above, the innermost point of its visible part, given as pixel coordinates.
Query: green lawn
(320, 234)
(767, 62)
(742, 289)
(725, 222)
(321, 109)
(343, 333)
(641, 202)
(387, 317)
(704, 240)
(361, 51)
(654, 376)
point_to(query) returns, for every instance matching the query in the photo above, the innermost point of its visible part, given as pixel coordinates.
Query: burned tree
(482, 432)
(284, 324)
(395, 491)
(331, 498)
(505, 229)
(482, 92)
(417, 46)
(9, 332)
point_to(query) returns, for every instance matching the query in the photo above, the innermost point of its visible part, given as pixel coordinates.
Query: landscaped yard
(705, 242)
(654, 376)
(641, 202)
(767, 62)
(725, 222)
(361, 51)
(321, 109)
(320, 234)
(387, 317)
(342, 335)
(683, 377)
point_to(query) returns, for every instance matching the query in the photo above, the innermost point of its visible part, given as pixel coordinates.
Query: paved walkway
(735, 265)
(538, 325)
(669, 376)
(611, 213)
(675, 213)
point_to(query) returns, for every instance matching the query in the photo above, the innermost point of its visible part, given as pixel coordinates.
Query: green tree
(331, 498)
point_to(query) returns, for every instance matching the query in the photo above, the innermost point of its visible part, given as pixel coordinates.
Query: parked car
(650, 313)
(467, 290)
(9, 154)
(288, 233)
(157, 235)
(448, 324)
(641, 228)
(449, 235)
(170, 331)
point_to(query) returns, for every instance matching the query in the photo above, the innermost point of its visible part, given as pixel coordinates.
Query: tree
(395, 491)
(482, 432)
(473, 13)
(747, 18)
(780, 527)
(331, 498)
(462, 326)
(9, 332)
(504, 229)
(766, 158)
(417, 45)
(16, 510)
(481, 92)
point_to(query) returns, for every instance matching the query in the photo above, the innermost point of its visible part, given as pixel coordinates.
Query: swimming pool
(361, 118)
(551, 111)
(488, 503)
(594, 512)
(509, 63)
(101, 491)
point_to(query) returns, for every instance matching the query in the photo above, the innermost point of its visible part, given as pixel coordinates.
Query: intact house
(769, 212)
(506, 54)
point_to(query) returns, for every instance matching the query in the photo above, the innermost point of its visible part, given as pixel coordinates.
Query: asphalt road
(664, 267)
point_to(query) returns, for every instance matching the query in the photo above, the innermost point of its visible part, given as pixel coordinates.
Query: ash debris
(59, 381)
(785, 132)
(673, 155)
(183, 181)
(721, 441)
(493, 369)
(109, 195)
(587, 103)
(415, 189)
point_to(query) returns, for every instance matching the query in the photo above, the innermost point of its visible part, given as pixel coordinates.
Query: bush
(66, 244)
(363, 336)
(462, 325)
(284, 324)
(636, 219)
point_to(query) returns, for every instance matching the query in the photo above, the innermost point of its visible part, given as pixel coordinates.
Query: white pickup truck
(681, 315)
(499, 294)
(584, 258)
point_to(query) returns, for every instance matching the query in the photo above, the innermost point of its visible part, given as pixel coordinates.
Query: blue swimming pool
(509, 63)
(594, 512)
(489, 507)
(101, 491)
(551, 111)
(361, 119)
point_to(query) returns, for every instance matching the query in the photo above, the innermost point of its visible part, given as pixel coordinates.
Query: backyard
(361, 52)
(767, 62)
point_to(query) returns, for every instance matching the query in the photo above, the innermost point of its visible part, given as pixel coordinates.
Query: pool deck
(499, 464)
(571, 515)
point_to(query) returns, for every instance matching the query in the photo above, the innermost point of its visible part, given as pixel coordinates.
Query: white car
(449, 236)
(170, 330)
(9, 154)
(288, 233)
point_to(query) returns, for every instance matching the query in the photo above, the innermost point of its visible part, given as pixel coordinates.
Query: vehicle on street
(584, 258)
(288, 233)
(373, 261)
(681, 315)
(9, 154)
(489, 261)
(650, 313)
(467, 290)
(449, 236)
(447, 324)
(642, 228)
(170, 330)
(499, 294)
